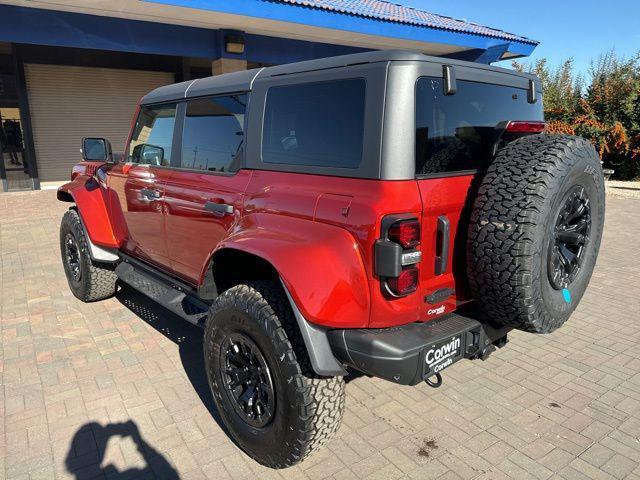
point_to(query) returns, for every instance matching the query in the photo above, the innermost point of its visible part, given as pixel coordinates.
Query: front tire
(89, 281)
(273, 404)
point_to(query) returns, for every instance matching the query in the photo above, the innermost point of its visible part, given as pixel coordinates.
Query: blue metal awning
(274, 31)
(396, 13)
(376, 18)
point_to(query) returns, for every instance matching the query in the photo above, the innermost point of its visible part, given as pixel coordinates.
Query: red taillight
(406, 233)
(405, 283)
(525, 127)
(397, 255)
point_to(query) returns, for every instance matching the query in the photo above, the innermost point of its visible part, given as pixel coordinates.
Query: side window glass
(153, 135)
(319, 124)
(213, 133)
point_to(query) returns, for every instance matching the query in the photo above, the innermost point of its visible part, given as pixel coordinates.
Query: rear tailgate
(444, 226)
(456, 136)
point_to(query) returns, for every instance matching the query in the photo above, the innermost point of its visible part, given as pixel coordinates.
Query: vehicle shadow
(189, 339)
(89, 445)
(187, 336)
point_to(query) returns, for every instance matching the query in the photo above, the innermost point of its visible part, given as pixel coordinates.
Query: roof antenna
(449, 75)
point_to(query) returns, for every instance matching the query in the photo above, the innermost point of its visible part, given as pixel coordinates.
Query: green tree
(562, 88)
(614, 90)
(605, 108)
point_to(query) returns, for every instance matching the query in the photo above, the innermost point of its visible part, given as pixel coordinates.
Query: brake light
(525, 127)
(406, 233)
(397, 255)
(405, 283)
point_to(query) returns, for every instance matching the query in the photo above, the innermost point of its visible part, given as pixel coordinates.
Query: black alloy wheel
(570, 238)
(248, 380)
(72, 257)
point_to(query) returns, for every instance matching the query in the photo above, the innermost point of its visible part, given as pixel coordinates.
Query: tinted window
(457, 132)
(320, 124)
(213, 135)
(153, 135)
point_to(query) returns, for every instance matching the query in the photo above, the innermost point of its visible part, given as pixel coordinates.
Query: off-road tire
(451, 154)
(97, 281)
(308, 408)
(513, 223)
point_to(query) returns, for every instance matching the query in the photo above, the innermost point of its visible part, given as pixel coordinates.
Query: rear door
(204, 194)
(455, 139)
(138, 185)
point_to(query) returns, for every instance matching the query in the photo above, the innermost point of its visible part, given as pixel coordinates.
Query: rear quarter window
(315, 124)
(456, 133)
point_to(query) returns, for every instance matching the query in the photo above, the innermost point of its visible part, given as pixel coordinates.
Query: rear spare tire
(535, 231)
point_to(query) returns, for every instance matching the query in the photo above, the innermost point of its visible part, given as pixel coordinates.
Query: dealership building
(73, 68)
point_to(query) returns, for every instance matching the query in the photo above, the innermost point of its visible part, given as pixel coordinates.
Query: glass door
(14, 167)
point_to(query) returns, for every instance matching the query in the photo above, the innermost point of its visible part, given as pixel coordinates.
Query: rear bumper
(411, 353)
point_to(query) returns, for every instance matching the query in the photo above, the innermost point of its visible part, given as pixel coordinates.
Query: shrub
(606, 109)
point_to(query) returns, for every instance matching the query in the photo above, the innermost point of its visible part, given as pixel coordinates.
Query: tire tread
(320, 400)
(511, 205)
(99, 279)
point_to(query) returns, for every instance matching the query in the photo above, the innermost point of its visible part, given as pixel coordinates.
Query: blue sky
(564, 28)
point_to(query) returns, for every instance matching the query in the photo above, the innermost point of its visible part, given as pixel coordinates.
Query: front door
(138, 184)
(204, 195)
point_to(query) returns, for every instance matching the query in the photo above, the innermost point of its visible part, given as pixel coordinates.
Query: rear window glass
(457, 132)
(318, 124)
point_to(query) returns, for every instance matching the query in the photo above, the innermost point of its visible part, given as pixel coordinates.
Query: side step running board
(162, 289)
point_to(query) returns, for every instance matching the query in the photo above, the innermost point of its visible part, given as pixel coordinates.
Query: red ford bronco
(384, 212)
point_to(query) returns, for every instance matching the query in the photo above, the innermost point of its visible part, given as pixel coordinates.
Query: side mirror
(151, 154)
(96, 150)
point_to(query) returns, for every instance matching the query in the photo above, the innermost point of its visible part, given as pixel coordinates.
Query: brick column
(228, 65)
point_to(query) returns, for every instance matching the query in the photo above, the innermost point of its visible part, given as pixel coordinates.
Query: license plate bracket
(443, 354)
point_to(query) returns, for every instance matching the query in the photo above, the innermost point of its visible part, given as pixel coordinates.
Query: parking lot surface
(116, 389)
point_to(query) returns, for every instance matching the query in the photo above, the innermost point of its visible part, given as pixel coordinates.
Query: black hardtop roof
(242, 81)
(228, 82)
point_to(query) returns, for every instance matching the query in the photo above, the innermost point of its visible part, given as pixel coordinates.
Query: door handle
(442, 245)
(150, 194)
(223, 208)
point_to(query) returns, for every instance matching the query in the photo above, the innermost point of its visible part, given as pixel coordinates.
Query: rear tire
(251, 336)
(89, 281)
(535, 231)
